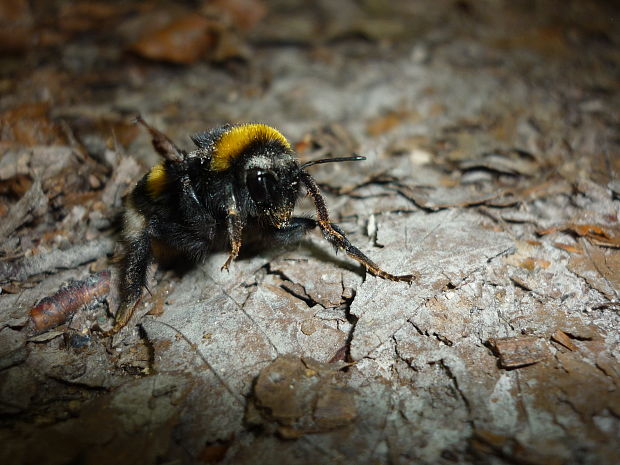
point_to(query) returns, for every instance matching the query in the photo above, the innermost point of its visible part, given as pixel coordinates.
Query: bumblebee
(239, 176)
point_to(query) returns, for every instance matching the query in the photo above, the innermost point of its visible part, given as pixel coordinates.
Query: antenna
(331, 160)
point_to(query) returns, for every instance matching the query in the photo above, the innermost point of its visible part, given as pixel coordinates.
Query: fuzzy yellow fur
(156, 180)
(234, 141)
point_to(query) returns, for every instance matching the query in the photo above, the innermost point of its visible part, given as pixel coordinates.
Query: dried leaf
(15, 186)
(568, 247)
(69, 258)
(29, 125)
(532, 263)
(32, 204)
(600, 268)
(600, 235)
(505, 162)
(184, 41)
(461, 196)
(386, 122)
(302, 396)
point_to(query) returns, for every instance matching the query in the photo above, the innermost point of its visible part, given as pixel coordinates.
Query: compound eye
(261, 185)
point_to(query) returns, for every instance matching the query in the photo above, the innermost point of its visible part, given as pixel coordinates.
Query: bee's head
(271, 178)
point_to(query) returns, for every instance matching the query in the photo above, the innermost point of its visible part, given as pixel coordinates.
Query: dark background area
(491, 131)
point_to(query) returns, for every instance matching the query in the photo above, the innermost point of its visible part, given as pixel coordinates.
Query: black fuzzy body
(191, 212)
(198, 209)
(241, 182)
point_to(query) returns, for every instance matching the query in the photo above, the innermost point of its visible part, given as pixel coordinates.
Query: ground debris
(32, 205)
(57, 259)
(514, 162)
(214, 32)
(301, 396)
(184, 41)
(143, 410)
(519, 351)
(490, 172)
(56, 309)
(599, 235)
(600, 267)
(562, 338)
(510, 449)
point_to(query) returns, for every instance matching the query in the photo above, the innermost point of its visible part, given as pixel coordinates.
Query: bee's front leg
(333, 234)
(234, 228)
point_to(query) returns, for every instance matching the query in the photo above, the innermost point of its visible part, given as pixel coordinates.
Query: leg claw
(226, 265)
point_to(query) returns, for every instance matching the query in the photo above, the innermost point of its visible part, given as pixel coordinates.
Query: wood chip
(515, 352)
(562, 338)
